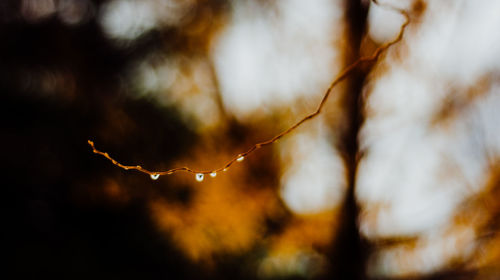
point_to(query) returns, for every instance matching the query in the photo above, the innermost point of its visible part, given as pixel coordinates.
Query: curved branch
(239, 157)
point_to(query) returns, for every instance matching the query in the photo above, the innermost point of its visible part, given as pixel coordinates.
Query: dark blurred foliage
(60, 85)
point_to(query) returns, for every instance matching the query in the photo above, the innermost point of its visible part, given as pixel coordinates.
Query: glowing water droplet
(241, 158)
(155, 176)
(199, 177)
(213, 174)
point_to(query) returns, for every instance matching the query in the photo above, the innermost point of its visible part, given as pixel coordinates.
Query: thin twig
(341, 76)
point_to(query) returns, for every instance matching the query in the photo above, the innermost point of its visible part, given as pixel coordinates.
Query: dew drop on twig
(199, 177)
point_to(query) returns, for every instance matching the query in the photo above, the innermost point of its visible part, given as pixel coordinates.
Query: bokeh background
(398, 178)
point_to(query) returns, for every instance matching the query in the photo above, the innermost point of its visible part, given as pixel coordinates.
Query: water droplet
(213, 174)
(199, 177)
(225, 169)
(241, 158)
(155, 176)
